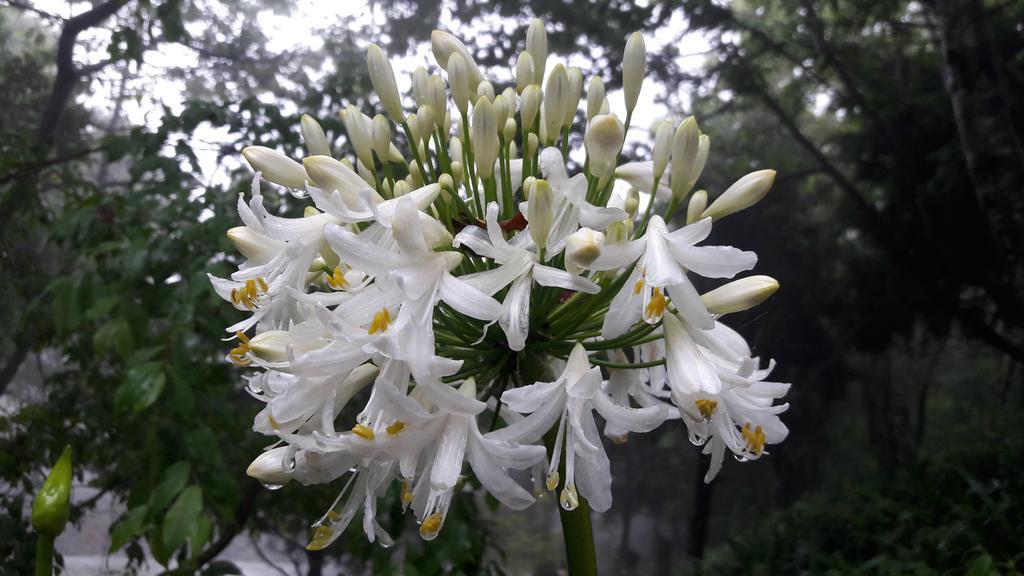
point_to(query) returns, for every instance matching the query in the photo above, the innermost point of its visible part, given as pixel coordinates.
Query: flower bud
(271, 345)
(485, 137)
(446, 182)
(253, 245)
(582, 247)
(595, 96)
(685, 144)
(415, 176)
(485, 88)
(313, 136)
(444, 45)
(457, 172)
(412, 120)
(509, 131)
(329, 175)
(603, 141)
(395, 155)
(532, 144)
(357, 125)
(524, 71)
(382, 76)
(513, 150)
(703, 149)
(381, 137)
(739, 295)
(572, 95)
(275, 167)
(537, 46)
(632, 203)
(502, 110)
(458, 80)
(437, 99)
(555, 100)
(425, 124)
(52, 504)
(634, 64)
(529, 106)
(455, 148)
(605, 108)
(528, 186)
(420, 79)
(662, 148)
(268, 467)
(540, 212)
(746, 192)
(698, 202)
(619, 232)
(365, 174)
(401, 188)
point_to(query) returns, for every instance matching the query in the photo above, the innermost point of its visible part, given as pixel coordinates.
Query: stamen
(407, 496)
(321, 538)
(337, 279)
(238, 354)
(638, 286)
(569, 499)
(755, 439)
(381, 321)
(273, 423)
(333, 516)
(395, 428)
(249, 294)
(363, 431)
(552, 482)
(706, 407)
(431, 526)
(656, 307)
(620, 440)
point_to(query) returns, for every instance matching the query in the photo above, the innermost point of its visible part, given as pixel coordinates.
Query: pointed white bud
(395, 155)
(313, 136)
(253, 245)
(632, 203)
(401, 188)
(268, 467)
(619, 231)
(513, 150)
(502, 110)
(572, 95)
(485, 88)
(485, 137)
(271, 345)
(537, 46)
(582, 247)
(634, 65)
(414, 129)
(703, 149)
(605, 107)
(382, 76)
(746, 192)
(529, 106)
(275, 167)
(662, 148)
(444, 45)
(739, 295)
(332, 175)
(509, 132)
(455, 148)
(698, 202)
(425, 123)
(540, 212)
(357, 126)
(532, 144)
(458, 80)
(555, 100)
(524, 71)
(595, 96)
(415, 176)
(603, 141)
(381, 137)
(420, 77)
(366, 174)
(457, 172)
(685, 144)
(437, 99)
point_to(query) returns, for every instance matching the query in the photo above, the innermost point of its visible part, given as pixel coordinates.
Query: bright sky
(295, 30)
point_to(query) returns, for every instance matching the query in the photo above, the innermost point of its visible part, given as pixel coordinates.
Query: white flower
(663, 260)
(570, 400)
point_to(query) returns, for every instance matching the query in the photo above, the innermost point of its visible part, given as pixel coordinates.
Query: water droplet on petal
(696, 439)
(270, 486)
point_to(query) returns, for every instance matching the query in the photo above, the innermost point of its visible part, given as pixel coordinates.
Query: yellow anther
(363, 431)
(273, 423)
(263, 285)
(755, 439)
(552, 482)
(249, 294)
(395, 428)
(656, 307)
(638, 286)
(321, 538)
(337, 279)
(381, 321)
(431, 526)
(406, 493)
(620, 440)
(333, 516)
(706, 407)
(569, 499)
(238, 354)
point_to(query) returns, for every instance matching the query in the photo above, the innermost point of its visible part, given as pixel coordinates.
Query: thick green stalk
(44, 554)
(578, 534)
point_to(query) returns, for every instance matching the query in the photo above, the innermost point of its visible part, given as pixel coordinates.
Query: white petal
(633, 419)
(689, 304)
(515, 313)
(688, 371)
(614, 256)
(468, 299)
(714, 261)
(450, 399)
(450, 454)
(495, 480)
(531, 397)
(624, 310)
(548, 276)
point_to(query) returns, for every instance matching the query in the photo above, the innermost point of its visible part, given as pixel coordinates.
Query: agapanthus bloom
(369, 327)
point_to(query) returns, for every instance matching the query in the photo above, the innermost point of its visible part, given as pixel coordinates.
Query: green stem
(578, 534)
(44, 554)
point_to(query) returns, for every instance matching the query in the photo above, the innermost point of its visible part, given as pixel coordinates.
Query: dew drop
(696, 439)
(270, 486)
(740, 458)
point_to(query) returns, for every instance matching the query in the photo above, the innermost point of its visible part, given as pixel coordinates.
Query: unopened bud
(271, 345)
(485, 88)
(420, 80)
(253, 245)
(358, 128)
(485, 137)
(502, 110)
(698, 202)
(268, 467)
(582, 247)
(401, 188)
(458, 80)
(52, 503)
(331, 175)
(537, 46)
(381, 137)
(425, 123)
(595, 96)
(662, 148)
(444, 45)
(446, 182)
(524, 71)
(437, 99)
(275, 167)
(529, 106)
(703, 149)
(619, 231)
(509, 131)
(532, 144)
(455, 148)
(634, 64)
(313, 136)
(540, 212)
(572, 95)
(382, 76)
(457, 172)
(632, 203)
(528, 186)
(685, 144)
(555, 100)
(739, 295)
(746, 192)
(603, 141)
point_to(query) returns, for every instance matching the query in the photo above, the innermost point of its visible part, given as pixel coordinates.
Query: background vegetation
(896, 229)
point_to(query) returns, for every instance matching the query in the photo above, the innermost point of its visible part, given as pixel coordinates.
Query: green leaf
(66, 316)
(102, 307)
(127, 528)
(161, 553)
(201, 532)
(174, 480)
(141, 387)
(114, 335)
(180, 518)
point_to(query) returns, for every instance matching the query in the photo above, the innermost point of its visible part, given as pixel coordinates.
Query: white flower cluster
(386, 293)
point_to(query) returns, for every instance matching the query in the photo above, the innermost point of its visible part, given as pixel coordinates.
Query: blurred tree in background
(896, 229)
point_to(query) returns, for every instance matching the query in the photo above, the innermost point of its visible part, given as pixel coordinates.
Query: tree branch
(30, 8)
